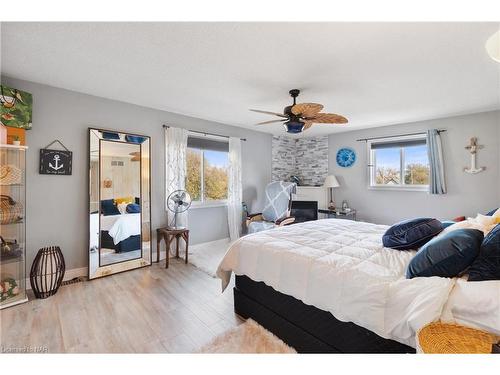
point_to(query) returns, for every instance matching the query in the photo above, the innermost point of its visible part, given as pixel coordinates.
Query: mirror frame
(96, 270)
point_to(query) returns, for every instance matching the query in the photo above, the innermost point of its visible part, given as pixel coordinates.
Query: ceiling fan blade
(272, 121)
(328, 118)
(306, 109)
(307, 125)
(269, 113)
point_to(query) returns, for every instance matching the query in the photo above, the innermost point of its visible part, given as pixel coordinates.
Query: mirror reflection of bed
(120, 189)
(119, 202)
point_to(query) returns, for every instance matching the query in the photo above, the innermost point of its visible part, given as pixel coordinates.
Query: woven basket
(10, 175)
(443, 338)
(10, 210)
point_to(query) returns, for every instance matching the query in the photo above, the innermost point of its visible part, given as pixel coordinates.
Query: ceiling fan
(299, 117)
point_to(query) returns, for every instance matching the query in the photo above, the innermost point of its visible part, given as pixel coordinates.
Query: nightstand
(339, 214)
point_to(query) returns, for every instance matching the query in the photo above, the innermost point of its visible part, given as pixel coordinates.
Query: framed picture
(17, 108)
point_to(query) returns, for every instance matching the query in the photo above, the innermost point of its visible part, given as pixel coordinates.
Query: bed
(120, 232)
(330, 286)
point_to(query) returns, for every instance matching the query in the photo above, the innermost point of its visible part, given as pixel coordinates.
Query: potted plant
(16, 141)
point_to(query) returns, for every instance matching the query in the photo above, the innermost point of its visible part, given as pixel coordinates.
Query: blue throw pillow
(447, 223)
(487, 264)
(491, 212)
(133, 208)
(109, 208)
(134, 138)
(446, 256)
(110, 135)
(411, 234)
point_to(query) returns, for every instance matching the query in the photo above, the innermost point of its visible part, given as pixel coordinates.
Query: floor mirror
(119, 202)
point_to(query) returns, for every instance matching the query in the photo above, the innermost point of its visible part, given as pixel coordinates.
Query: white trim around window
(372, 162)
(208, 204)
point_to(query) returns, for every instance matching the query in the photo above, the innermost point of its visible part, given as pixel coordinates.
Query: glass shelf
(13, 268)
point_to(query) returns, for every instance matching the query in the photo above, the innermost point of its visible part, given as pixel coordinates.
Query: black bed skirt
(130, 244)
(306, 328)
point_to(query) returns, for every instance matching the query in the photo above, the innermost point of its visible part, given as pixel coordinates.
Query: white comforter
(124, 226)
(342, 267)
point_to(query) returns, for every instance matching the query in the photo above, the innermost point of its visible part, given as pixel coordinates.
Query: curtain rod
(395, 136)
(205, 133)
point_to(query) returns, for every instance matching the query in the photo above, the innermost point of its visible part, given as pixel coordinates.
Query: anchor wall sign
(58, 162)
(473, 148)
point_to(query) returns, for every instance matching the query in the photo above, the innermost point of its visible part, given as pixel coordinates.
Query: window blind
(207, 144)
(397, 143)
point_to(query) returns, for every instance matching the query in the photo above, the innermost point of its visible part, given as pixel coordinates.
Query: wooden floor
(149, 310)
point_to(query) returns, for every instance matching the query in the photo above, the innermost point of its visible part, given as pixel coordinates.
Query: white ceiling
(373, 73)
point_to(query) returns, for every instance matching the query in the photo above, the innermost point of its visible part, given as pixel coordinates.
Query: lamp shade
(493, 46)
(331, 182)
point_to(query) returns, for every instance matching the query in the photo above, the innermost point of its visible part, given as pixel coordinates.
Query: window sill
(423, 189)
(198, 205)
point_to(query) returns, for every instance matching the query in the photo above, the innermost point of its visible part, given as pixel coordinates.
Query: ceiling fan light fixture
(493, 46)
(294, 127)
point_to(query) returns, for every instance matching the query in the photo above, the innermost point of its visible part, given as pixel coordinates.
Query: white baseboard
(68, 275)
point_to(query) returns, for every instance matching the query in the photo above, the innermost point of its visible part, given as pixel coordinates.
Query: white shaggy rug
(207, 256)
(248, 337)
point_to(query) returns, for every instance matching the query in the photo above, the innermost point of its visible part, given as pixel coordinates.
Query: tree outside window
(206, 178)
(402, 163)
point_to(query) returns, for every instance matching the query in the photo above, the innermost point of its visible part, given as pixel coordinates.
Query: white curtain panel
(175, 154)
(437, 183)
(235, 190)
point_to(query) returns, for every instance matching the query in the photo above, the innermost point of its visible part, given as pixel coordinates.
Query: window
(207, 167)
(399, 163)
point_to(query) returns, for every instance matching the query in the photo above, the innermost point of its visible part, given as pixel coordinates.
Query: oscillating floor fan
(177, 202)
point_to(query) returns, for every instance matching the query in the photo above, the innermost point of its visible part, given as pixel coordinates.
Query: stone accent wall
(306, 158)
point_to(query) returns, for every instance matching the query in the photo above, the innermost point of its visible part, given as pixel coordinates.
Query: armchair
(277, 208)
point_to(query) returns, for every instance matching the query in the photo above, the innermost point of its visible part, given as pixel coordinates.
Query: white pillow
(122, 207)
(481, 222)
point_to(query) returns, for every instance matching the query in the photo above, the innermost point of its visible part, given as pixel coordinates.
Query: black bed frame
(306, 328)
(130, 244)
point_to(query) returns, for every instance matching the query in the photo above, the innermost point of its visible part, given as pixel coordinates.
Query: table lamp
(331, 182)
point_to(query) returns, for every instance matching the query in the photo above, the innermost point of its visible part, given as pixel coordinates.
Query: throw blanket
(341, 266)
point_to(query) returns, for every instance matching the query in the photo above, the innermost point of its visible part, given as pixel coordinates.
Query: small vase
(16, 143)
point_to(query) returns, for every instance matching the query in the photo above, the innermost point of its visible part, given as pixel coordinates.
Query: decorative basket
(47, 271)
(10, 210)
(443, 338)
(10, 175)
(9, 249)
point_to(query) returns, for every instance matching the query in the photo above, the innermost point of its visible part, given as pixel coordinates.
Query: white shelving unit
(13, 259)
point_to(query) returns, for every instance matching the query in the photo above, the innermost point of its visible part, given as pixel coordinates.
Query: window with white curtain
(398, 163)
(207, 170)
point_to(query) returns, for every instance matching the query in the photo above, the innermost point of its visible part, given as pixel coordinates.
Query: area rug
(207, 256)
(248, 337)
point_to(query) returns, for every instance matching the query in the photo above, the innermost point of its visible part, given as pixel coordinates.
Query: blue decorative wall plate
(346, 157)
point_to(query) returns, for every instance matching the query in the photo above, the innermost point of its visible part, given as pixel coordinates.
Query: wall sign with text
(58, 162)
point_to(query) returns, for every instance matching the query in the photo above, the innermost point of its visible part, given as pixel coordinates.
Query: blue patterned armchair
(276, 212)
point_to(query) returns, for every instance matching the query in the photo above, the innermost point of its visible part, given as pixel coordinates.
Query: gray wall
(57, 205)
(467, 194)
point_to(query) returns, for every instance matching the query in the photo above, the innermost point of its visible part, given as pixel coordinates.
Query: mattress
(341, 266)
